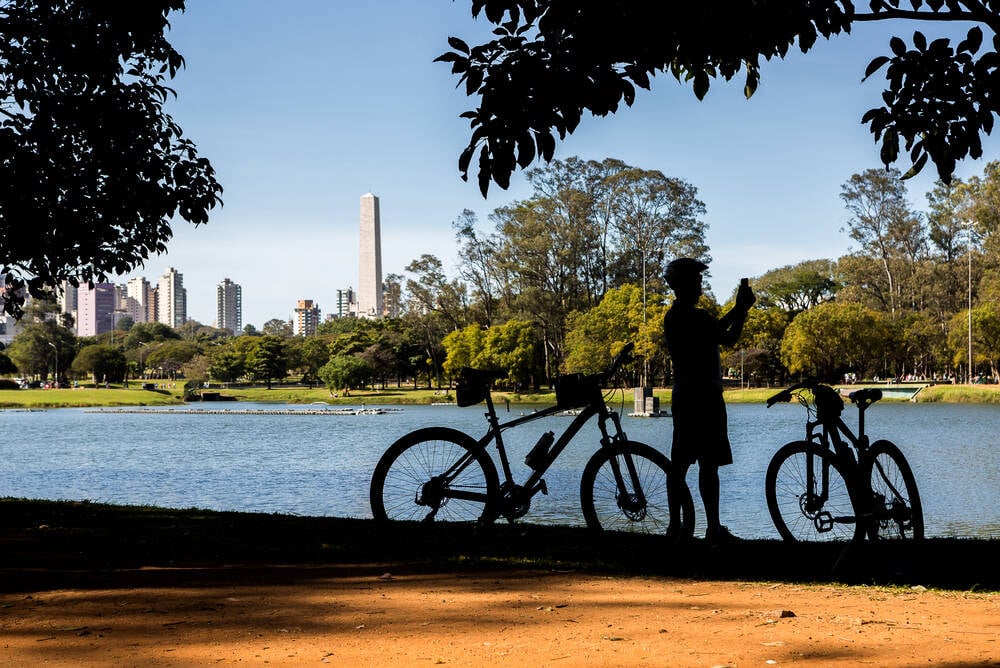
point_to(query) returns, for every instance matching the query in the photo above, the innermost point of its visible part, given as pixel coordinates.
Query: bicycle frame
(835, 432)
(535, 482)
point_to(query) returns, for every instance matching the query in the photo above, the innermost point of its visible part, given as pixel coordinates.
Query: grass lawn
(116, 396)
(83, 397)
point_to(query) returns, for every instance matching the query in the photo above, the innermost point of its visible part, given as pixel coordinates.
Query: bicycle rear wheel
(640, 507)
(434, 474)
(808, 495)
(895, 500)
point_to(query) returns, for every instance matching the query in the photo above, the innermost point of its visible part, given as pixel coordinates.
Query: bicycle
(835, 484)
(440, 473)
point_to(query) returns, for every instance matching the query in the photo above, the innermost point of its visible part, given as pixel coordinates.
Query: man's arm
(731, 324)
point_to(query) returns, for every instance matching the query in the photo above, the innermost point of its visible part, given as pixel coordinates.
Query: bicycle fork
(632, 503)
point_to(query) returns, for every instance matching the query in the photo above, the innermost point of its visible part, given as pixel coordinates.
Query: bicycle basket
(576, 389)
(829, 404)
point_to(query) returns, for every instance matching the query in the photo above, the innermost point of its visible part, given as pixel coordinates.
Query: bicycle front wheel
(896, 508)
(434, 474)
(808, 495)
(640, 504)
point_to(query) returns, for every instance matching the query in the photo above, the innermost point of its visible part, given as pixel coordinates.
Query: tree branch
(977, 14)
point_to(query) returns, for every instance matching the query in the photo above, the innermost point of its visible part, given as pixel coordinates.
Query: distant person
(693, 337)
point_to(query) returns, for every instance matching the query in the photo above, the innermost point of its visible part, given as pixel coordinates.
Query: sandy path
(364, 617)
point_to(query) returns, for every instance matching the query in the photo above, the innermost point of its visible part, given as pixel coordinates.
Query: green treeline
(560, 281)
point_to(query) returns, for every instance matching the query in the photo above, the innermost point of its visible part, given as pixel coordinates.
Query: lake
(321, 464)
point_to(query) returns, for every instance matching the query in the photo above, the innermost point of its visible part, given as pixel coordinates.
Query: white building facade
(370, 259)
(229, 306)
(171, 299)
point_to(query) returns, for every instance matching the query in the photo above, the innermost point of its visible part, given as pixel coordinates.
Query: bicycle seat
(480, 376)
(474, 384)
(866, 396)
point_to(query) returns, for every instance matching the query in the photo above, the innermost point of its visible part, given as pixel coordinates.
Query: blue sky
(303, 109)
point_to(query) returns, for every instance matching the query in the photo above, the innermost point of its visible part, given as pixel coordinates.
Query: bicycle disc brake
(431, 493)
(632, 507)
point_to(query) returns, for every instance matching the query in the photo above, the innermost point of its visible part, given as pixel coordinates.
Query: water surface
(322, 464)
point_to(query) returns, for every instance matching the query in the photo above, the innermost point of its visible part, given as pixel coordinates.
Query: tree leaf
(898, 46)
(875, 65)
(458, 45)
(701, 84)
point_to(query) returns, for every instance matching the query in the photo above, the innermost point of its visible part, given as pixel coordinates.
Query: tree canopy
(552, 60)
(94, 170)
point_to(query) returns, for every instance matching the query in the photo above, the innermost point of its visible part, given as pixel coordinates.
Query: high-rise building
(306, 318)
(95, 309)
(370, 259)
(346, 304)
(140, 301)
(229, 306)
(67, 299)
(171, 299)
(9, 327)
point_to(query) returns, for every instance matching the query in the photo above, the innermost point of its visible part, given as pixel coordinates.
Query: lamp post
(969, 376)
(56, 380)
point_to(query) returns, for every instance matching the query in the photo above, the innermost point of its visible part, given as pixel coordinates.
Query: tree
(345, 372)
(560, 58)
(985, 338)
(882, 222)
(266, 359)
(148, 332)
(833, 338)
(313, 353)
(43, 345)
(796, 288)
(168, 357)
(227, 366)
(596, 335)
(478, 264)
(87, 151)
(105, 363)
(277, 327)
(462, 348)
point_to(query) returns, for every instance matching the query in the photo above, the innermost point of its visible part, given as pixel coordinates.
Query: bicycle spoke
(896, 510)
(641, 508)
(412, 483)
(808, 497)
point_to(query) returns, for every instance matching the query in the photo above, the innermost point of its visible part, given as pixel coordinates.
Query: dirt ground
(365, 616)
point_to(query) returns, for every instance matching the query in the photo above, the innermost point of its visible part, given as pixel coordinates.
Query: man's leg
(677, 491)
(708, 487)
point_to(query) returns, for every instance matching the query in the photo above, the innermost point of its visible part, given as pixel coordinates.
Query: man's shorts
(701, 430)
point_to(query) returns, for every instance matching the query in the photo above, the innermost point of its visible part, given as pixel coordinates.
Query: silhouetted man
(693, 337)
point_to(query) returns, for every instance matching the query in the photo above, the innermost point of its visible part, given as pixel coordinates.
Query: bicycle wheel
(434, 474)
(895, 500)
(641, 507)
(808, 495)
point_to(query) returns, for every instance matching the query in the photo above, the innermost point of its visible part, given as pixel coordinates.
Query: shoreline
(122, 397)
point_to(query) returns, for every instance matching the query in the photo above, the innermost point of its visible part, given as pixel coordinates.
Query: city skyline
(296, 136)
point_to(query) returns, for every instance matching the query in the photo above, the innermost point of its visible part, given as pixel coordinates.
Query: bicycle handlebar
(864, 397)
(786, 394)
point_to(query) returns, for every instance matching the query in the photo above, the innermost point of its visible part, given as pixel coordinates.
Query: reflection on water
(321, 464)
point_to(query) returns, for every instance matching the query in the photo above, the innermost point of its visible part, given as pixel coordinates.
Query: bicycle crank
(515, 501)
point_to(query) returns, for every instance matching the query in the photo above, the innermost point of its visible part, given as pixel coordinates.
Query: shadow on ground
(45, 544)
